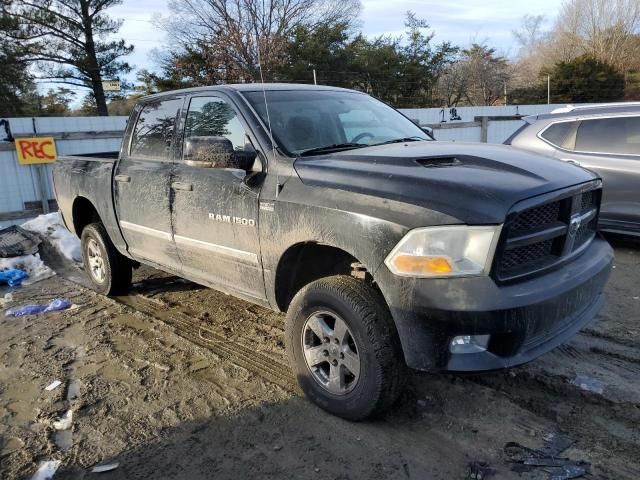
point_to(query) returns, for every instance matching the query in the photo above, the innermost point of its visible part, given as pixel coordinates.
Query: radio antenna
(266, 107)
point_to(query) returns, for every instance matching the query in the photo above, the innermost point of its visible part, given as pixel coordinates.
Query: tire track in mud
(238, 354)
(188, 327)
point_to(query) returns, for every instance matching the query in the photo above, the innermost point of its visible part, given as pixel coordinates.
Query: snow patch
(32, 264)
(50, 227)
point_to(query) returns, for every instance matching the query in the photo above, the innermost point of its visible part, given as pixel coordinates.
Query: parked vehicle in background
(385, 248)
(604, 138)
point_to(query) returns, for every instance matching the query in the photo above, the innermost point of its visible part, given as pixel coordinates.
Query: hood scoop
(438, 161)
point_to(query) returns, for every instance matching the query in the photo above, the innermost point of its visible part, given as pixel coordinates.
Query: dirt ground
(179, 381)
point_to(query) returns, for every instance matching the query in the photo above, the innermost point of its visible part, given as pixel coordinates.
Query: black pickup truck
(386, 249)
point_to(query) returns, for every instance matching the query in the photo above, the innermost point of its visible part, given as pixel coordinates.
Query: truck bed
(92, 156)
(87, 177)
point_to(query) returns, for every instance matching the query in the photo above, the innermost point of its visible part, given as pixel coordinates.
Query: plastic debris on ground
(46, 470)
(15, 241)
(547, 458)
(65, 421)
(31, 264)
(106, 467)
(589, 384)
(63, 440)
(53, 306)
(13, 277)
(53, 385)
(50, 226)
(8, 298)
(73, 391)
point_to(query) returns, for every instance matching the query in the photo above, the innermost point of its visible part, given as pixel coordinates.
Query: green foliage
(56, 102)
(17, 91)
(70, 41)
(586, 80)
(403, 72)
(323, 49)
(533, 95)
(632, 88)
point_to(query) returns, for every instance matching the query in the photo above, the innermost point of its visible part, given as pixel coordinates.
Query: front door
(215, 212)
(142, 184)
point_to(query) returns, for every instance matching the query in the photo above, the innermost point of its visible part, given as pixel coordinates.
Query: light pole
(548, 89)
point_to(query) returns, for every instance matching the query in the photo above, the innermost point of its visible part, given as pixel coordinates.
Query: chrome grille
(543, 235)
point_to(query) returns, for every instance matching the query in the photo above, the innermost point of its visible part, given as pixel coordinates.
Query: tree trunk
(93, 68)
(98, 93)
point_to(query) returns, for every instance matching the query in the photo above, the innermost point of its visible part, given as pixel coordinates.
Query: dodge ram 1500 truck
(385, 249)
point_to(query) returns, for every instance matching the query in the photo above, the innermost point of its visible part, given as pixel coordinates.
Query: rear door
(142, 184)
(611, 148)
(215, 211)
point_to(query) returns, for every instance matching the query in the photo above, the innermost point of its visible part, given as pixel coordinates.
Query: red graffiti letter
(25, 148)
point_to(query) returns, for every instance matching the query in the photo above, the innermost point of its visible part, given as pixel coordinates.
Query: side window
(214, 117)
(155, 130)
(560, 134)
(610, 135)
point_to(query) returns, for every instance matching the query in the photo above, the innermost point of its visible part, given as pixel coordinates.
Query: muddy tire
(109, 271)
(344, 348)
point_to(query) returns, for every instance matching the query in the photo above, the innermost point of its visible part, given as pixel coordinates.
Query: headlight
(450, 251)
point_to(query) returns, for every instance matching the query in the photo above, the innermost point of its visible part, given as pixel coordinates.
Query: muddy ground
(179, 381)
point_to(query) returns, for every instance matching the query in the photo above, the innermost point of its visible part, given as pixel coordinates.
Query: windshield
(310, 120)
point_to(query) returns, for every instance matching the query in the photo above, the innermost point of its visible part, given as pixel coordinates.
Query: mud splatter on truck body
(465, 257)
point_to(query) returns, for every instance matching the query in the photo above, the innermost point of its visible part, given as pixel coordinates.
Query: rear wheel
(344, 348)
(109, 271)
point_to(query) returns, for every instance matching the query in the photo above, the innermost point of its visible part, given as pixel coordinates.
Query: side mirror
(428, 131)
(245, 158)
(217, 152)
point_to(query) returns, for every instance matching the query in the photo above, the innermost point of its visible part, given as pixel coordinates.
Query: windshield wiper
(336, 147)
(401, 140)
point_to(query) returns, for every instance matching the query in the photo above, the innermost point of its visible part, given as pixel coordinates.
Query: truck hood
(476, 183)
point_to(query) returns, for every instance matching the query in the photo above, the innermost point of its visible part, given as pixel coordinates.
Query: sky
(461, 22)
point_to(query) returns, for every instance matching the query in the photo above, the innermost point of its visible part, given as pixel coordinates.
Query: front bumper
(525, 319)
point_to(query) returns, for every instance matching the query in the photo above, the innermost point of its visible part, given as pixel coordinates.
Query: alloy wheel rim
(96, 261)
(330, 352)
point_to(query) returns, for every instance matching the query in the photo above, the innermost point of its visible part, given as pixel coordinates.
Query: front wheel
(344, 348)
(109, 271)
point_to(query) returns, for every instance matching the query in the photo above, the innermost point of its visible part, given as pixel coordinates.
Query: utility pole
(315, 80)
(505, 93)
(548, 89)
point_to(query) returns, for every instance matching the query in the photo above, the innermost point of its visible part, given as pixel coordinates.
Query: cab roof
(252, 87)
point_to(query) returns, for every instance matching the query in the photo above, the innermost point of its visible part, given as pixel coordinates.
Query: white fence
(19, 186)
(468, 128)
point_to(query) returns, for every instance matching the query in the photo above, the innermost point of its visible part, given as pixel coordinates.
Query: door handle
(123, 178)
(187, 187)
(569, 160)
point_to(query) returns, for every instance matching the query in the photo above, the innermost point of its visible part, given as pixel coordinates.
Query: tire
(371, 337)
(115, 278)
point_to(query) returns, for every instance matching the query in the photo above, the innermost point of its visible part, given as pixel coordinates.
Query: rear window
(610, 135)
(559, 134)
(154, 131)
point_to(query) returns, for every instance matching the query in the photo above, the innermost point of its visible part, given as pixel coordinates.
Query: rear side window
(610, 135)
(560, 134)
(155, 129)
